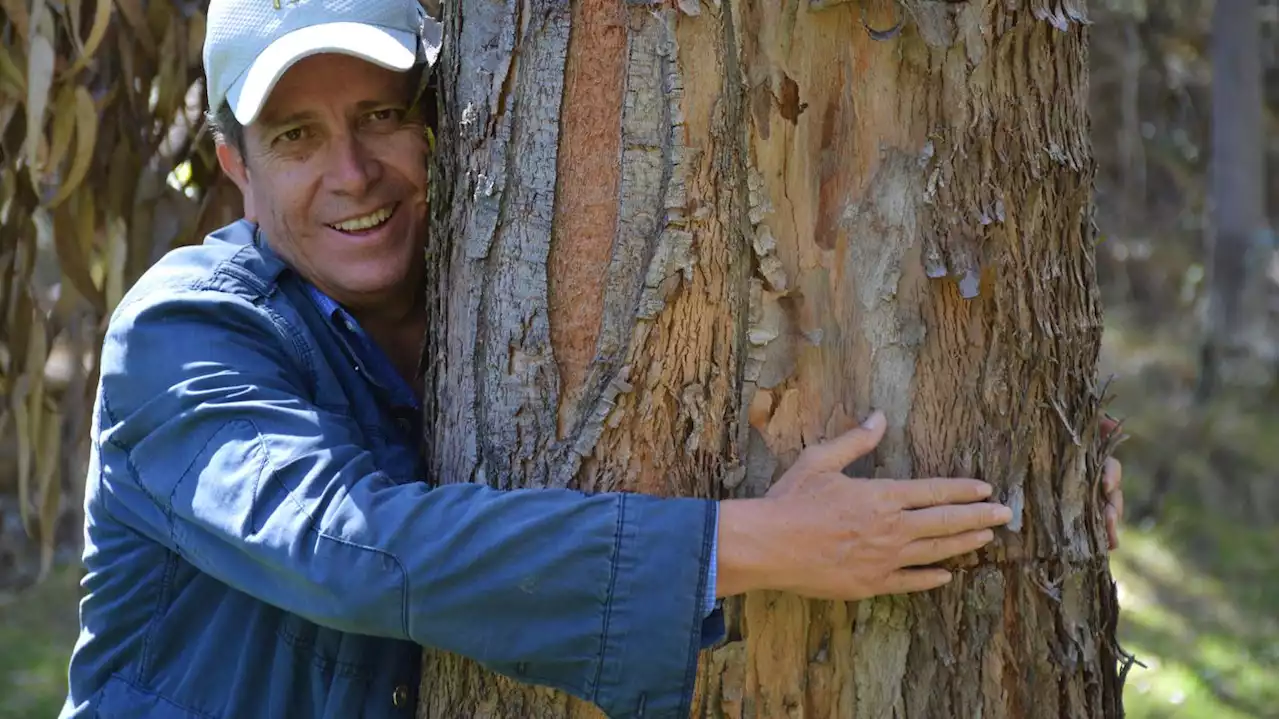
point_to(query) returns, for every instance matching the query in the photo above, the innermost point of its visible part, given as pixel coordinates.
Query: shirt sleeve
(212, 447)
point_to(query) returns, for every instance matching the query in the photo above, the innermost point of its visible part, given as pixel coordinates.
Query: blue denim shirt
(260, 540)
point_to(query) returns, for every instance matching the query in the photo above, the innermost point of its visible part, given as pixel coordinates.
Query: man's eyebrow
(364, 105)
(295, 118)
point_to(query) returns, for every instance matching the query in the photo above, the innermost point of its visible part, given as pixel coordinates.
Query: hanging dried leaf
(22, 425)
(40, 63)
(64, 124)
(86, 222)
(16, 11)
(158, 16)
(195, 39)
(107, 115)
(137, 19)
(86, 137)
(72, 255)
(73, 16)
(19, 284)
(28, 403)
(49, 488)
(117, 255)
(101, 20)
(8, 108)
(13, 74)
(122, 174)
(170, 75)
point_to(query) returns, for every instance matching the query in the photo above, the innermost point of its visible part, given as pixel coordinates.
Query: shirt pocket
(329, 651)
(327, 674)
(122, 699)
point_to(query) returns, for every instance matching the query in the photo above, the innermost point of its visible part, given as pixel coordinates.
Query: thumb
(836, 454)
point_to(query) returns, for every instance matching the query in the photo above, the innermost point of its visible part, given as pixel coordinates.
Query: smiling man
(260, 538)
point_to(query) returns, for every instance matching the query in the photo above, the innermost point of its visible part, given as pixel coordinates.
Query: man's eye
(386, 114)
(291, 135)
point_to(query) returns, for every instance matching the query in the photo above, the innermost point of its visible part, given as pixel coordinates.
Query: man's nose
(353, 169)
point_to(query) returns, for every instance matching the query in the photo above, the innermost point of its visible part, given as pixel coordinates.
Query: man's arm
(206, 419)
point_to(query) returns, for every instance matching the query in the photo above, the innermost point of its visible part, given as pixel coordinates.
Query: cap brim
(392, 49)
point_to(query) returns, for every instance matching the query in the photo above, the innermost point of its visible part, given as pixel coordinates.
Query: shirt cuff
(713, 629)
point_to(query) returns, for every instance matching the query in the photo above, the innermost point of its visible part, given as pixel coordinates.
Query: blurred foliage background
(105, 163)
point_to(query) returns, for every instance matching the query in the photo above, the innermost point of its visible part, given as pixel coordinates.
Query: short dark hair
(226, 128)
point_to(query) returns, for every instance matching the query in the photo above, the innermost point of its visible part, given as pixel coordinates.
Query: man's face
(334, 172)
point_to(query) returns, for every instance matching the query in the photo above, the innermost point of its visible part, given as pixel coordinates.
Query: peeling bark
(809, 223)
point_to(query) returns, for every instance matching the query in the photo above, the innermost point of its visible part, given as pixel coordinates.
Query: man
(260, 538)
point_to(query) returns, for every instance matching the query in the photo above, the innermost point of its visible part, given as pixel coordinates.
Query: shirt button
(400, 697)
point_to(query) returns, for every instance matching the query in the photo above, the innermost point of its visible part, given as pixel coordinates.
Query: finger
(916, 493)
(1109, 424)
(904, 581)
(931, 551)
(1111, 474)
(836, 454)
(954, 519)
(1113, 528)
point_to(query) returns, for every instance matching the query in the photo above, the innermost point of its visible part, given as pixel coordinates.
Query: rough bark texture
(799, 214)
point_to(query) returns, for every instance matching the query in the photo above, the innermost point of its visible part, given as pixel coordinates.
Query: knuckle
(942, 548)
(890, 517)
(996, 515)
(807, 458)
(949, 520)
(935, 494)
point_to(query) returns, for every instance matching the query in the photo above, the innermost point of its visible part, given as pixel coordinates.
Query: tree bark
(675, 243)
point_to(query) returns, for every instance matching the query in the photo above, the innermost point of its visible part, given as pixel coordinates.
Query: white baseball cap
(249, 44)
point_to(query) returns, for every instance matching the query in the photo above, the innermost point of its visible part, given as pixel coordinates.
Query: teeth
(371, 220)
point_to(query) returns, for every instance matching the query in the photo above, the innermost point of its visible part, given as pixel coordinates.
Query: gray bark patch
(882, 227)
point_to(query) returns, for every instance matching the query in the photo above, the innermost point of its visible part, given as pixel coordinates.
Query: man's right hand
(821, 534)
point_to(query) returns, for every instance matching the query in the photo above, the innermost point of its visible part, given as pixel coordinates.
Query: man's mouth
(364, 223)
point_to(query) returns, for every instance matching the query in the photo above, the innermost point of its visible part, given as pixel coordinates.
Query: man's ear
(232, 163)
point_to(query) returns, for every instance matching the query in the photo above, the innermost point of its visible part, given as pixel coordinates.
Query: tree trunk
(675, 243)
(1238, 227)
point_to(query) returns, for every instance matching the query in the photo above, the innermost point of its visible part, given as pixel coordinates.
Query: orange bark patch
(587, 190)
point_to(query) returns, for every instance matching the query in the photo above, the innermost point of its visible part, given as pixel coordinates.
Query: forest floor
(1197, 568)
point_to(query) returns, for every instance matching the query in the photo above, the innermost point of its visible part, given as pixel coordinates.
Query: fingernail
(874, 421)
(985, 490)
(1004, 514)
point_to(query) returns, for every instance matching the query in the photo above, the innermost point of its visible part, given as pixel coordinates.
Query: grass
(37, 630)
(1205, 626)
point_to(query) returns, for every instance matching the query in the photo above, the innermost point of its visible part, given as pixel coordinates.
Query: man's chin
(377, 285)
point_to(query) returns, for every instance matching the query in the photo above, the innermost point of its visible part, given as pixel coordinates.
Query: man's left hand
(1111, 475)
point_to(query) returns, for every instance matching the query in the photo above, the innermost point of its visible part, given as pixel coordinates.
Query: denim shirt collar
(376, 362)
(373, 360)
